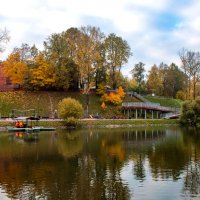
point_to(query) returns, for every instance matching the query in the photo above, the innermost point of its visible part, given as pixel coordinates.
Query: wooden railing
(138, 96)
(153, 106)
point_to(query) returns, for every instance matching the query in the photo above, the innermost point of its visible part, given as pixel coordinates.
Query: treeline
(80, 58)
(71, 60)
(161, 80)
(170, 80)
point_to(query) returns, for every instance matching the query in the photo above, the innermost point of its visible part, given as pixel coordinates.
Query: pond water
(135, 163)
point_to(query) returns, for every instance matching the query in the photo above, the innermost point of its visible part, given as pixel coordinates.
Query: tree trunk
(189, 89)
(87, 103)
(194, 88)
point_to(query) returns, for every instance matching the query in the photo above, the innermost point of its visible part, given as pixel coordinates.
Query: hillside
(168, 102)
(45, 103)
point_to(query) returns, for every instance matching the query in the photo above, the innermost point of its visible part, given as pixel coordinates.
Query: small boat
(27, 124)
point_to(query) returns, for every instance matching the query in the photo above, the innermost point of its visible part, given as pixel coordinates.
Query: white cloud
(188, 30)
(32, 21)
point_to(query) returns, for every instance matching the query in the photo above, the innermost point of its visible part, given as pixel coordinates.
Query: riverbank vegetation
(102, 123)
(191, 113)
(70, 110)
(24, 100)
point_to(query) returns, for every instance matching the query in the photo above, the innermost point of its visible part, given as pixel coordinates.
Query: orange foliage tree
(14, 68)
(114, 97)
(120, 92)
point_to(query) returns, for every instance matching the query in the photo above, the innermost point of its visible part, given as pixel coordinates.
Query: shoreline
(99, 123)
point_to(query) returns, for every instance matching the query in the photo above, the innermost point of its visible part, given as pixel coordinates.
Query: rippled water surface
(137, 163)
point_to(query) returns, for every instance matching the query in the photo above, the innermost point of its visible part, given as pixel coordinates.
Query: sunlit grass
(168, 102)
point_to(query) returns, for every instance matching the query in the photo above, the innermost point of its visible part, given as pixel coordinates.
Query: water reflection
(25, 137)
(192, 169)
(101, 164)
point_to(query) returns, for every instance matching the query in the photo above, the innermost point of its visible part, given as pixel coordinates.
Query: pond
(135, 163)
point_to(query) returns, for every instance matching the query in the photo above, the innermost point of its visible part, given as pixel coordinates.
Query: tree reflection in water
(192, 169)
(88, 164)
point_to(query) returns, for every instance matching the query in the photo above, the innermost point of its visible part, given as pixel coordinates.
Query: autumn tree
(120, 92)
(138, 74)
(88, 56)
(14, 68)
(88, 52)
(42, 74)
(27, 53)
(173, 80)
(154, 81)
(72, 36)
(114, 97)
(132, 85)
(58, 54)
(101, 68)
(191, 67)
(4, 38)
(117, 54)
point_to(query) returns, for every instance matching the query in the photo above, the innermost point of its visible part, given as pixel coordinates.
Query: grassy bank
(45, 103)
(104, 123)
(168, 102)
(129, 122)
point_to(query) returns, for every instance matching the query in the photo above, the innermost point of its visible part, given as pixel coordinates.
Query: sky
(156, 30)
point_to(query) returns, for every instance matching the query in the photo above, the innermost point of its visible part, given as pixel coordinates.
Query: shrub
(113, 112)
(70, 110)
(71, 122)
(191, 113)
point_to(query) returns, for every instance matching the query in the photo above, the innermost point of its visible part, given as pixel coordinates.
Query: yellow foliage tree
(132, 84)
(14, 68)
(43, 73)
(114, 97)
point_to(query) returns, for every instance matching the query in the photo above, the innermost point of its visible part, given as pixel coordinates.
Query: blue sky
(156, 30)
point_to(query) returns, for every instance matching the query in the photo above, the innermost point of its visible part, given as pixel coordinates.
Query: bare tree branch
(4, 38)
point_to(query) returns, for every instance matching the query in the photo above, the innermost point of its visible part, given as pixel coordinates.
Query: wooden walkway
(149, 106)
(129, 107)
